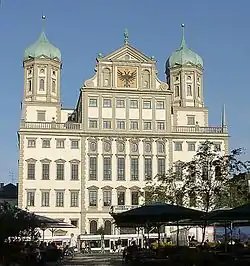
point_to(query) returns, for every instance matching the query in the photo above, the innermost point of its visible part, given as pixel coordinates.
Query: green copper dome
(184, 55)
(42, 47)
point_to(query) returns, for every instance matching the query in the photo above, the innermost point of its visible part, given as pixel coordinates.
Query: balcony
(122, 208)
(50, 125)
(199, 130)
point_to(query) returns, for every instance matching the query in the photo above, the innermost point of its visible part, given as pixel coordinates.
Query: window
(74, 222)
(146, 104)
(74, 144)
(176, 78)
(161, 166)
(198, 91)
(74, 171)
(31, 143)
(135, 198)
(107, 103)
(160, 125)
(45, 171)
(29, 85)
(74, 198)
(45, 143)
(60, 143)
(53, 85)
(93, 198)
(60, 171)
(92, 123)
(41, 115)
(134, 125)
(92, 168)
(107, 168)
(178, 146)
(30, 198)
(217, 147)
(160, 105)
(189, 78)
(92, 102)
(59, 198)
(160, 147)
(120, 124)
(134, 104)
(189, 90)
(134, 169)
(147, 125)
(191, 146)
(31, 169)
(121, 197)
(106, 124)
(45, 198)
(190, 120)
(107, 198)
(41, 85)
(120, 168)
(120, 103)
(148, 168)
(177, 91)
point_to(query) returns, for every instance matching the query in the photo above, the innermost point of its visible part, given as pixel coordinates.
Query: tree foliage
(200, 182)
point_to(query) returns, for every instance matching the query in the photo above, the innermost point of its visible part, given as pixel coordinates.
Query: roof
(9, 191)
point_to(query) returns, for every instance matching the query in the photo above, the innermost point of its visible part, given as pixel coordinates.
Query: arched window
(107, 227)
(93, 227)
(41, 85)
(145, 79)
(53, 85)
(106, 77)
(29, 85)
(189, 90)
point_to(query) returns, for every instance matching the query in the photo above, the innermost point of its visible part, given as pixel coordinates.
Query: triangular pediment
(127, 53)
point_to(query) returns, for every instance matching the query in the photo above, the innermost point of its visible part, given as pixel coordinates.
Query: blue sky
(217, 31)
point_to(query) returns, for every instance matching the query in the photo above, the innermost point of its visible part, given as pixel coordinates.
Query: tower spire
(126, 36)
(43, 22)
(223, 117)
(183, 42)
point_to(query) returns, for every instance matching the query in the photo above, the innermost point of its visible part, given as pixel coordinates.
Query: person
(119, 245)
(72, 243)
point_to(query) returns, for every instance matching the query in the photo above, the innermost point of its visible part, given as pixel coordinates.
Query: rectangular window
(191, 120)
(30, 198)
(107, 103)
(107, 198)
(92, 168)
(74, 198)
(75, 144)
(120, 103)
(41, 116)
(134, 125)
(31, 143)
(147, 104)
(148, 168)
(45, 143)
(191, 146)
(121, 197)
(93, 198)
(178, 146)
(31, 169)
(161, 166)
(92, 123)
(59, 198)
(106, 124)
(147, 125)
(120, 124)
(60, 171)
(107, 172)
(74, 171)
(134, 169)
(45, 171)
(160, 125)
(92, 102)
(45, 198)
(60, 143)
(160, 104)
(120, 168)
(134, 104)
(135, 198)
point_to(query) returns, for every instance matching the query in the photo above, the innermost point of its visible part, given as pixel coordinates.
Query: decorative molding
(45, 160)
(31, 160)
(60, 161)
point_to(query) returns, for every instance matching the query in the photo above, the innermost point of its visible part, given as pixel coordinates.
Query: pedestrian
(119, 245)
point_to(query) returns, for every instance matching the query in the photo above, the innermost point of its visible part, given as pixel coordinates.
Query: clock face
(127, 77)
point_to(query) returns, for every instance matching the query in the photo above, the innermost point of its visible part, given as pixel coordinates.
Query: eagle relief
(126, 77)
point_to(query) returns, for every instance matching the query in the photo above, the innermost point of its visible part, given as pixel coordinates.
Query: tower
(184, 71)
(42, 65)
